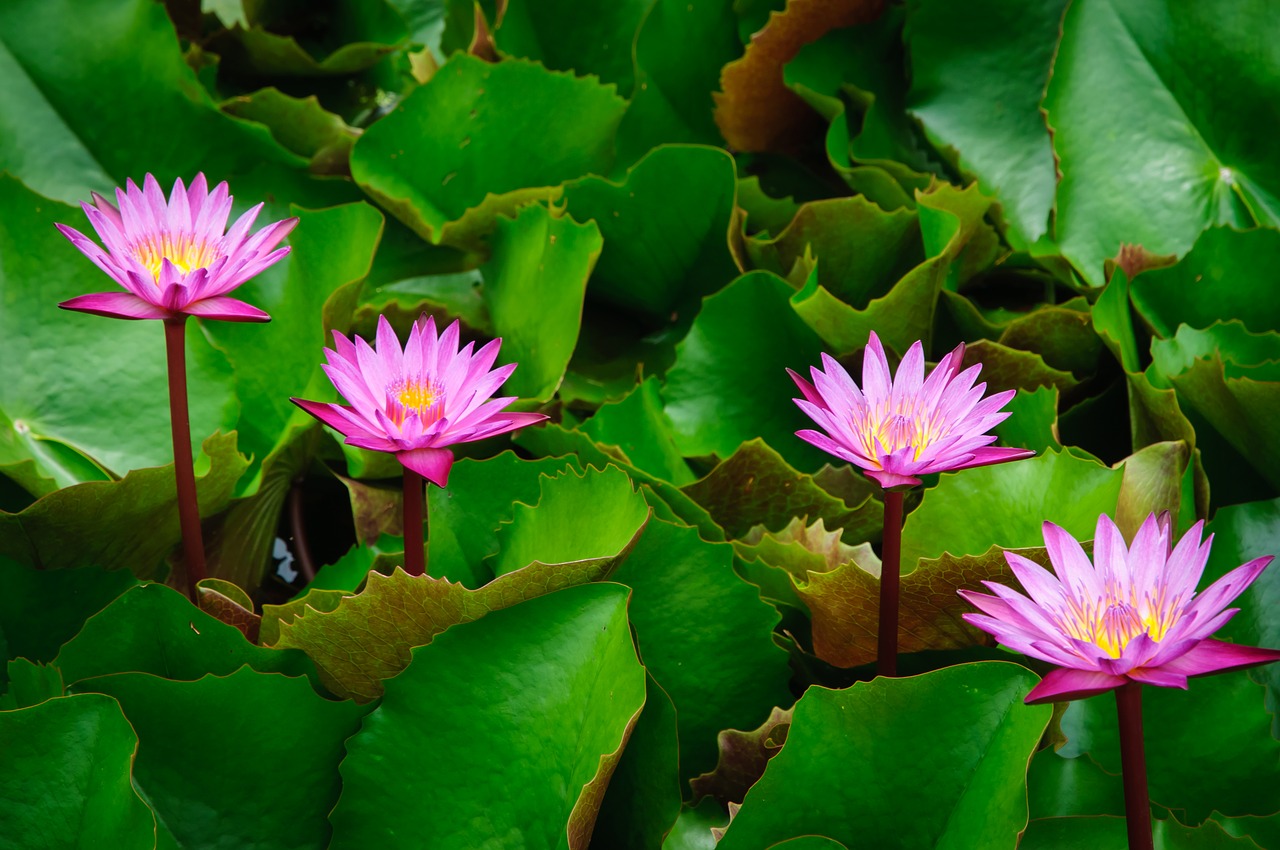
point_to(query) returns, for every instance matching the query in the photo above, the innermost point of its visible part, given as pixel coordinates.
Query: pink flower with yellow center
(175, 257)
(1130, 615)
(897, 429)
(417, 401)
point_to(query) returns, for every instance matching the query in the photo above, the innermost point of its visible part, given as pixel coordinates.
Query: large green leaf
(679, 52)
(559, 35)
(1242, 533)
(978, 72)
(40, 610)
(643, 800)
(728, 384)
(665, 229)
(705, 635)
(189, 737)
(464, 517)
(1222, 278)
(862, 251)
(153, 629)
(442, 162)
(1111, 833)
(551, 687)
(535, 534)
(1229, 377)
(117, 367)
(366, 638)
(130, 524)
(938, 760)
(1004, 505)
(111, 98)
(534, 287)
(1148, 63)
(637, 425)
(1208, 747)
(66, 782)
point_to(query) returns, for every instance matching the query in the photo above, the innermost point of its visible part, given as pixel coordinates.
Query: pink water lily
(1130, 615)
(417, 401)
(175, 257)
(897, 429)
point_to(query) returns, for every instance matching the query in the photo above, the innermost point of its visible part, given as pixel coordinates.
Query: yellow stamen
(181, 249)
(421, 397)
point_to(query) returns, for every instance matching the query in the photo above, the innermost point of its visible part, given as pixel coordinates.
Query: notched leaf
(743, 756)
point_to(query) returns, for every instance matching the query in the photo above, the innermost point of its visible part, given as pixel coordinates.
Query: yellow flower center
(418, 396)
(886, 431)
(1112, 622)
(182, 249)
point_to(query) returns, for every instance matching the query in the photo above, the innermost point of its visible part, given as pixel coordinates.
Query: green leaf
(130, 524)
(464, 517)
(705, 635)
(1145, 64)
(1207, 748)
(1228, 376)
(30, 684)
(743, 758)
(728, 384)
(950, 219)
(40, 610)
(154, 629)
(534, 287)
(861, 249)
(755, 486)
(72, 126)
(560, 692)
(1242, 533)
(1220, 279)
(1005, 368)
(637, 425)
(366, 638)
(1032, 422)
(534, 536)
(643, 800)
(300, 125)
(73, 788)
(962, 732)
(119, 367)
(665, 229)
(203, 796)
(679, 51)
(693, 829)
(978, 73)
(350, 38)
(560, 36)
(441, 161)
(1004, 505)
(1110, 833)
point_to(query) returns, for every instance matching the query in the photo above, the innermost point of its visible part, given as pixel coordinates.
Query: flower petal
(1066, 684)
(1216, 656)
(117, 305)
(227, 309)
(431, 464)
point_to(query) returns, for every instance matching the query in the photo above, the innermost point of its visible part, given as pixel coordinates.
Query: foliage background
(658, 205)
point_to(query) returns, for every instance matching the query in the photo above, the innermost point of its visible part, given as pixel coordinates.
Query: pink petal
(1160, 677)
(1071, 563)
(227, 309)
(877, 382)
(995, 454)
(1065, 684)
(1216, 656)
(326, 412)
(890, 480)
(806, 389)
(117, 305)
(910, 377)
(431, 464)
(1224, 590)
(1039, 583)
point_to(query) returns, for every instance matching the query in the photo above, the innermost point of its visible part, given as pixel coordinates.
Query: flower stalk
(414, 561)
(890, 581)
(1133, 765)
(183, 462)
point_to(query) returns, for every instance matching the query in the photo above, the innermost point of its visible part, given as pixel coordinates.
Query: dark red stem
(1133, 763)
(891, 552)
(414, 562)
(175, 347)
(298, 525)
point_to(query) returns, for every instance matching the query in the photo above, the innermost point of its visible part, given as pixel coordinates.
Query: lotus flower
(173, 257)
(1132, 615)
(416, 402)
(897, 429)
